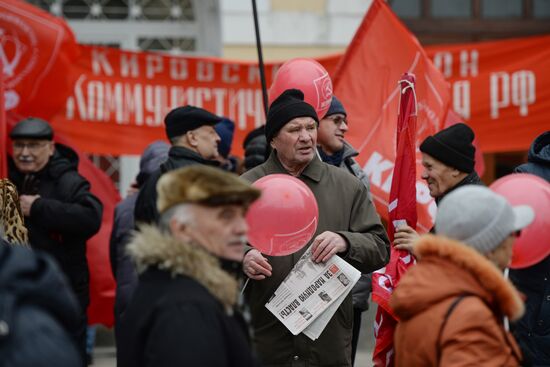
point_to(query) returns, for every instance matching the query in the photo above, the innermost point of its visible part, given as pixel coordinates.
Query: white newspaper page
(309, 290)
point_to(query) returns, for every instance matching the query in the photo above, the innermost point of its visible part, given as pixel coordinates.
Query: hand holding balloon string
(255, 266)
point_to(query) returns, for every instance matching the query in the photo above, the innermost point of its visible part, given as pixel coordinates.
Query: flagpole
(260, 56)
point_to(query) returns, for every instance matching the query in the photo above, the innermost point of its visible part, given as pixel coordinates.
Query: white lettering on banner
(147, 104)
(153, 65)
(376, 165)
(523, 90)
(179, 69)
(205, 71)
(129, 66)
(219, 98)
(521, 94)
(230, 73)
(461, 98)
(469, 63)
(500, 92)
(444, 62)
(100, 62)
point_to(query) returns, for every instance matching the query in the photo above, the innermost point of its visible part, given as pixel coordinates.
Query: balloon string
(506, 321)
(244, 286)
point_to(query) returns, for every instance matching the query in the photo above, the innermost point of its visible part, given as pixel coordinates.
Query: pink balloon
(533, 245)
(284, 218)
(308, 76)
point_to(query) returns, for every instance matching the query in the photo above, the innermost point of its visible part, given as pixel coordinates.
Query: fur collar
(490, 278)
(150, 247)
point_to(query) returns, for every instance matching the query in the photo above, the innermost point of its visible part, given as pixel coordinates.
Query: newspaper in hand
(309, 290)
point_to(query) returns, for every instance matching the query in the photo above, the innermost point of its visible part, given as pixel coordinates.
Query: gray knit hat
(479, 217)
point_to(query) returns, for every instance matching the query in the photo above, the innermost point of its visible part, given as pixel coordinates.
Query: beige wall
(312, 6)
(276, 53)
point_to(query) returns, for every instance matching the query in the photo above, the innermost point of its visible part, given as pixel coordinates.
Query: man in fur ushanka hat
(183, 310)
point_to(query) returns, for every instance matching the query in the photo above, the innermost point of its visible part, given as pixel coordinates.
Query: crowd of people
(180, 257)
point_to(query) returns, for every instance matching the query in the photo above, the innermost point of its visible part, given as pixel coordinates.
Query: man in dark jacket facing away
(122, 266)
(183, 310)
(194, 141)
(448, 158)
(60, 212)
(533, 330)
(333, 149)
(348, 226)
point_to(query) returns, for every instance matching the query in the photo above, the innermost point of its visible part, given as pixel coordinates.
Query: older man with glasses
(60, 212)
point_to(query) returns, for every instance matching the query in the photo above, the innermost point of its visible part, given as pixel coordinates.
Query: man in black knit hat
(194, 141)
(448, 158)
(348, 226)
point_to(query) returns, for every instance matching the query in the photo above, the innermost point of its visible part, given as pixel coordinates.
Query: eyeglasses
(33, 147)
(338, 120)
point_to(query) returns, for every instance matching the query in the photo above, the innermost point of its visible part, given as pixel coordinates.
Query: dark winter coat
(344, 208)
(122, 265)
(256, 149)
(146, 204)
(533, 330)
(362, 289)
(538, 158)
(38, 312)
(182, 312)
(473, 333)
(64, 217)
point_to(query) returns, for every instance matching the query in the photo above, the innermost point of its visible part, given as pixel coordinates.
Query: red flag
(402, 210)
(38, 50)
(381, 51)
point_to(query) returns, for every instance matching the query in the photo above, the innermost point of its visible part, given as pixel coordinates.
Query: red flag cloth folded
(402, 210)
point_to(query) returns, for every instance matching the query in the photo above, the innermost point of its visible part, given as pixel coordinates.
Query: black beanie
(452, 146)
(183, 119)
(289, 105)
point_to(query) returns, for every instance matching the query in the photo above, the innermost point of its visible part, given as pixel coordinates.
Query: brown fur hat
(199, 184)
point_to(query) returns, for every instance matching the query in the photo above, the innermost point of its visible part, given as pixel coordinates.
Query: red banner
(500, 88)
(37, 51)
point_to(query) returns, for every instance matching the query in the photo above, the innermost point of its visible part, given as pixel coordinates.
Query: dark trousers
(355, 333)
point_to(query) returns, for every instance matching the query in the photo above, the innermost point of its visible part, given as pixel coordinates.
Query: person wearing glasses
(335, 150)
(60, 212)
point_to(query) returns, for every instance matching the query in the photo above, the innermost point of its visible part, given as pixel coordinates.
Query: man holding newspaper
(348, 227)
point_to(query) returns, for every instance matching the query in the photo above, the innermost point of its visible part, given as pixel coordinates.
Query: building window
(451, 9)
(170, 10)
(541, 8)
(501, 8)
(172, 45)
(406, 8)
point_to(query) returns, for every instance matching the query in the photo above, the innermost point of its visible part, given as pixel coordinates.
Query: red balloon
(308, 76)
(533, 245)
(284, 218)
